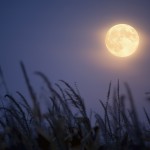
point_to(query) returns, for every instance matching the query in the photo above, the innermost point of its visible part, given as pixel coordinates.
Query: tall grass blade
(36, 106)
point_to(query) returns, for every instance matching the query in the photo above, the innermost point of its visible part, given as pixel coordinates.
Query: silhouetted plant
(25, 126)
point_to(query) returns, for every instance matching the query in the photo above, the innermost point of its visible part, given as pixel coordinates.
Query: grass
(24, 126)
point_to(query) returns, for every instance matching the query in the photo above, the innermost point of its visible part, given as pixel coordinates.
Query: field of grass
(26, 127)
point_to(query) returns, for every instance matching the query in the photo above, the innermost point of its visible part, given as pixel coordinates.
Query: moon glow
(122, 40)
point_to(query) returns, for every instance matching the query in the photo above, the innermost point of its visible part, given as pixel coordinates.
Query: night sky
(66, 40)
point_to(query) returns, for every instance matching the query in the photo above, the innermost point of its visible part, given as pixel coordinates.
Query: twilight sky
(65, 40)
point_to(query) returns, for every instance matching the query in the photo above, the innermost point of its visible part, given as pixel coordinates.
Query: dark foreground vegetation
(66, 125)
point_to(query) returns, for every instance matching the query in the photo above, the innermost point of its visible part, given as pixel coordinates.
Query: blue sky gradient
(66, 40)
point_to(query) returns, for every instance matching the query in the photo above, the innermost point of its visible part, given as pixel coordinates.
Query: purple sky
(65, 40)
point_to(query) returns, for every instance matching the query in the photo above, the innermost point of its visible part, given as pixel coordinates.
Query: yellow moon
(122, 40)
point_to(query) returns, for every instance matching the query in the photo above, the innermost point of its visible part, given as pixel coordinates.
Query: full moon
(122, 40)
